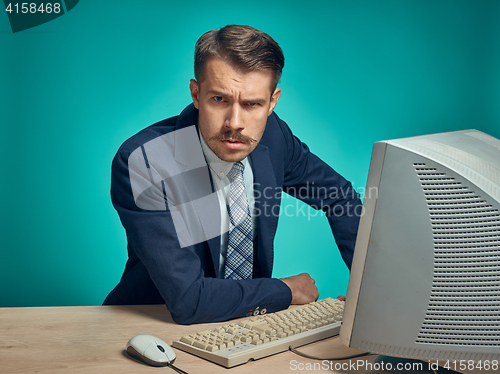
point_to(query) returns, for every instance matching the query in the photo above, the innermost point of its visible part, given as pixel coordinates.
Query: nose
(233, 119)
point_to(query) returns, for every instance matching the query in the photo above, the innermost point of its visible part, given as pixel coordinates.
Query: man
(170, 218)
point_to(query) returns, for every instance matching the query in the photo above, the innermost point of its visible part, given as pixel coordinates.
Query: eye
(252, 105)
(218, 99)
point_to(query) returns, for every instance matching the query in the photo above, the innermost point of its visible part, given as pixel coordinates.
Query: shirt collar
(220, 167)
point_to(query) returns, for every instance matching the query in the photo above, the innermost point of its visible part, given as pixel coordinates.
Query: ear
(274, 100)
(195, 92)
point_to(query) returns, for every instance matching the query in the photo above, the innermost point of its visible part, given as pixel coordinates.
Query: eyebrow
(223, 94)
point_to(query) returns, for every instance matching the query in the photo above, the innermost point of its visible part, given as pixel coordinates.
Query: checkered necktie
(239, 259)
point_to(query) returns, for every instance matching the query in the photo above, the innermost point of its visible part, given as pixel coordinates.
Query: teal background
(72, 90)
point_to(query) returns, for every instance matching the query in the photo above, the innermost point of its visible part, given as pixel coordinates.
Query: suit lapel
(267, 198)
(187, 151)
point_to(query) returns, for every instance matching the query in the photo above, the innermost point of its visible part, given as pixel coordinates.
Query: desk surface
(92, 339)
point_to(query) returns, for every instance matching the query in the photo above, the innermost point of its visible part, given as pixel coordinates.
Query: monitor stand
(400, 365)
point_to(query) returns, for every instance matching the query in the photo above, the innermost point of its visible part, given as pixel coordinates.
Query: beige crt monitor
(425, 279)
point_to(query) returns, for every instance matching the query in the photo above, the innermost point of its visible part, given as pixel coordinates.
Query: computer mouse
(151, 350)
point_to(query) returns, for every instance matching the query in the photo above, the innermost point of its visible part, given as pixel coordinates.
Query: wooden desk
(92, 339)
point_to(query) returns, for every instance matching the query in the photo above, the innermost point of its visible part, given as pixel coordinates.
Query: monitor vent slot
(463, 308)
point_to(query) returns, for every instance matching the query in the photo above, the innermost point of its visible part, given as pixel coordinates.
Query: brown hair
(243, 47)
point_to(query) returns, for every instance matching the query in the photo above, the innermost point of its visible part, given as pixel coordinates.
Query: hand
(341, 298)
(303, 289)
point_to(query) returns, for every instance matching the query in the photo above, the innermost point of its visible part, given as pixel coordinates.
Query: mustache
(233, 136)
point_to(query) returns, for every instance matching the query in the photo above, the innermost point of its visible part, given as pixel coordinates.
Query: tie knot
(236, 171)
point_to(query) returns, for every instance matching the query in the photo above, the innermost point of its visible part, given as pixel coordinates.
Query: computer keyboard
(267, 334)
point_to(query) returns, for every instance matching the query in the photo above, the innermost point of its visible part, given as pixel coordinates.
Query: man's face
(233, 108)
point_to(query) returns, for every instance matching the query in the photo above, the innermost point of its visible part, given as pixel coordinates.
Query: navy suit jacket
(159, 271)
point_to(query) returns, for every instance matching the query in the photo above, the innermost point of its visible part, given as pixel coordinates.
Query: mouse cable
(329, 359)
(176, 368)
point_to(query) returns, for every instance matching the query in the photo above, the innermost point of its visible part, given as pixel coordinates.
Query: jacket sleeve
(311, 180)
(177, 273)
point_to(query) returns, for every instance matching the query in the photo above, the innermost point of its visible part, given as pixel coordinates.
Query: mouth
(234, 141)
(233, 144)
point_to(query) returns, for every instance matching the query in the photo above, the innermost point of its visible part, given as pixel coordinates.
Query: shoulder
(149, 133)
(278, 136)
(276, 126)
(277, 132)
(188, 117)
